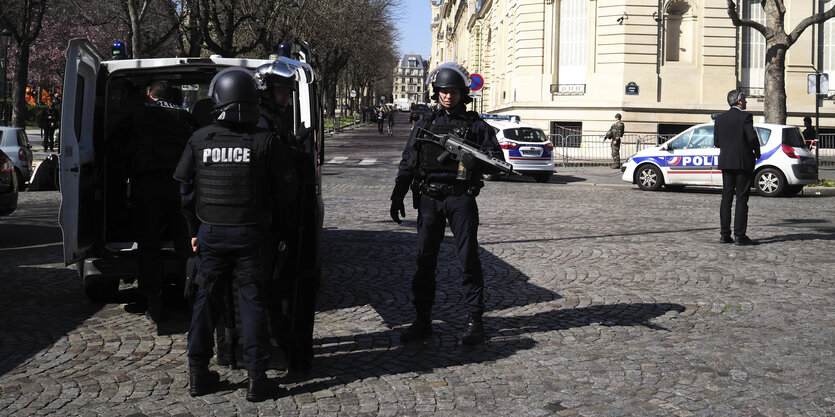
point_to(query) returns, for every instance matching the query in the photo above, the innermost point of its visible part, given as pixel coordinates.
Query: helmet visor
(283, 67)
(449, 65)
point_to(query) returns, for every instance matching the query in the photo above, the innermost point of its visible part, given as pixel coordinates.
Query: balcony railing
(568, 89)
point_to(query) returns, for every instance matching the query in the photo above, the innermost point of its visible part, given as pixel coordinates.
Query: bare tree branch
(811, 20)
(734, 15)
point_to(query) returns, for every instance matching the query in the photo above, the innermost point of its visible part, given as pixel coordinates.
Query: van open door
(77, 156)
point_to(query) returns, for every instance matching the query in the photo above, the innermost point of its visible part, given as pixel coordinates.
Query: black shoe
(201, 381)
(726, 239)
(420, 329)
(474, 334)
(259, 387)
(745, 241)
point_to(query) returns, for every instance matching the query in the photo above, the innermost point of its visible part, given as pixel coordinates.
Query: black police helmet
(235, 96)
(449, 78)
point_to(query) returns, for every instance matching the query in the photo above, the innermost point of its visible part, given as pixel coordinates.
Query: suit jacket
(734, 135)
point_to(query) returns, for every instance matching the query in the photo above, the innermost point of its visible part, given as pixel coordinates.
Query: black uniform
(234, 179)
(447, 193)
(160, 132)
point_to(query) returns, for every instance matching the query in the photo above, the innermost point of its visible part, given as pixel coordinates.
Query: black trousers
(462, 214)
(221, 252)
(157, 216)
(735, 182)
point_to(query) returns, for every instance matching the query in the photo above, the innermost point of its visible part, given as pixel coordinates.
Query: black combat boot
(155, 310)
(259, 387)
(420, 329)
(201, 381)
(474, 333)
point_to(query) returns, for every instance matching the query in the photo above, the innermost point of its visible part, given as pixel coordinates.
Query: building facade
(410, 79)
(663, 64)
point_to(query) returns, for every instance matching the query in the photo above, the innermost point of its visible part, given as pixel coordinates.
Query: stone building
(663, 64)
(410, 79)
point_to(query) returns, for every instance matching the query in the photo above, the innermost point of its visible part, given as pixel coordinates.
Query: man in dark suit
(739, 150)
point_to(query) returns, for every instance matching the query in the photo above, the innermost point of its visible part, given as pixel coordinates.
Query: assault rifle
(456, 147)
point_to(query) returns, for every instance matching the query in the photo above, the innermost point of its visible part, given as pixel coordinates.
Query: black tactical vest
(429, 152)
(232, 176)
(160, 135)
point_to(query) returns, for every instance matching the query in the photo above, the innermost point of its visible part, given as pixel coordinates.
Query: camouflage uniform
(615, 133)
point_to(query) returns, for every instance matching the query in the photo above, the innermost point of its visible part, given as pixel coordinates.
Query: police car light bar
(510, 117)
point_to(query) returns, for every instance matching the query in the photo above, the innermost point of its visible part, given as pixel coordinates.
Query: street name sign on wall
(632, 89)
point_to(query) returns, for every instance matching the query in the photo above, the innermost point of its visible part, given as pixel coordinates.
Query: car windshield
(525, 134)
(793, 138)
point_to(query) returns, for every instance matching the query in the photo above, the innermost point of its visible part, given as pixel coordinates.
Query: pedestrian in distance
(233, 175)
(809, 131)
(615, 133)
(739, 150)
(48, 121)
(392, 114)
(445, 190)
(380, 119)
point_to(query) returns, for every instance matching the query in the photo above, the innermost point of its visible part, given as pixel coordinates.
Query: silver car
(15, 144)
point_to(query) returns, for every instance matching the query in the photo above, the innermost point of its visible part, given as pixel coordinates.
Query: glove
(469, 161)
(397, 196)
(397, 207)
(303, 133)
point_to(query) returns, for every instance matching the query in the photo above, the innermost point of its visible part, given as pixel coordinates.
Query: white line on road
(338, 160)
(369, 161)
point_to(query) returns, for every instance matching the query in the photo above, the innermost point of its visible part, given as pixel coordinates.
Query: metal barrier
(826, 153)
(587, 150)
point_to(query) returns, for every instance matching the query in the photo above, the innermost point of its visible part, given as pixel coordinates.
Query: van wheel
(769, 182)
(648, 178)
(101, 291)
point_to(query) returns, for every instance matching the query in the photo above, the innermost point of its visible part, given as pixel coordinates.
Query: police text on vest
(220, 155)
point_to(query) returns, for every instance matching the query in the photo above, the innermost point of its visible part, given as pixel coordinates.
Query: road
(602, 300)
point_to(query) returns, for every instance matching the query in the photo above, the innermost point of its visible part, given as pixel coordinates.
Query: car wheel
(648, 178)
(769, 182)
(542, 177)
(792, 190)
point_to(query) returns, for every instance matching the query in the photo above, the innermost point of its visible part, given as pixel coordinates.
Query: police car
(690, 158)
(524, 146)
(96, 208)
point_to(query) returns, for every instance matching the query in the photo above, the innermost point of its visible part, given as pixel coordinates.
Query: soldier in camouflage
(615, 133)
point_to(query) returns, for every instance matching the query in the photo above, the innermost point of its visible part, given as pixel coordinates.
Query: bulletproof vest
(231, 183)
(160, 135)
(429, 152)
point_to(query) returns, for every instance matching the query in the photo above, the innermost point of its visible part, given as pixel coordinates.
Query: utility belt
(439, 190)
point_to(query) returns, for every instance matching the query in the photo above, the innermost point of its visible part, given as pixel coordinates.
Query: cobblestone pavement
(602, 301)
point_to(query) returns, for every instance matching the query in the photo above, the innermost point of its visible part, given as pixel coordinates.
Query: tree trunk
(774, 109)
(21, 74)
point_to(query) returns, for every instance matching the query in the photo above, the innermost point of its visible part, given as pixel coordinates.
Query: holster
(416, 186)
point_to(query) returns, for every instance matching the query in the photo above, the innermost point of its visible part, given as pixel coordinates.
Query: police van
(690, 159)
(96, 210)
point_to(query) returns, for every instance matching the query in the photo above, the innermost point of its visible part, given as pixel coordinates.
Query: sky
(413, 23)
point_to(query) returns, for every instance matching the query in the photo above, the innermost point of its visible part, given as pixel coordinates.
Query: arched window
(679, 28)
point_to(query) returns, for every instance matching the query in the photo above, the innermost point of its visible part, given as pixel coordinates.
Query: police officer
(615, 133)
(160, 131)
(291, 301)
(233, 176)
(447, 192)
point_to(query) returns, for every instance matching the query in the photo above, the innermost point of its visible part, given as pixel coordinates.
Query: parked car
(524, 146)
(419, 111)
(690, 158)
(15, 143)
(8, 185)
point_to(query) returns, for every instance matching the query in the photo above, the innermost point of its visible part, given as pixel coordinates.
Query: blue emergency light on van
(118, 50)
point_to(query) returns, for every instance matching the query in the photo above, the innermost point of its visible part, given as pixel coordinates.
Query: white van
(96, 213)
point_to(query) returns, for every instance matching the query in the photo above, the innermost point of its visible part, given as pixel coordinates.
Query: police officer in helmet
(233, 176)
(447, 192)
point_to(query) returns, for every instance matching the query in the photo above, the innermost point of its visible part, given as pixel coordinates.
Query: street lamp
(5, 40)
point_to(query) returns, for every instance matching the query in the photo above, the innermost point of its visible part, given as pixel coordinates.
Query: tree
(23, 18)
(777, 43)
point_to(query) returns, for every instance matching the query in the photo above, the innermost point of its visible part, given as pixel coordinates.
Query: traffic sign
(476, 82)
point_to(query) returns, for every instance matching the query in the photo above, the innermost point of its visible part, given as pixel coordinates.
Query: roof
(172, 62)
(404, 62)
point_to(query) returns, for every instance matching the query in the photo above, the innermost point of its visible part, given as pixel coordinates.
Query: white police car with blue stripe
(690, 159)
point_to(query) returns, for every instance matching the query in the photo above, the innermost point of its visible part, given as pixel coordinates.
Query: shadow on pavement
(374, 269)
